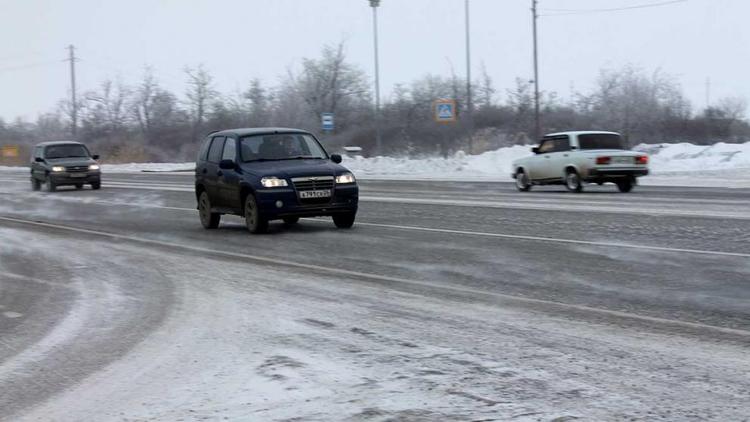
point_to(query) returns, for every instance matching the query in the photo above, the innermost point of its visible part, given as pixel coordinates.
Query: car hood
(71, 161)
(293, 168)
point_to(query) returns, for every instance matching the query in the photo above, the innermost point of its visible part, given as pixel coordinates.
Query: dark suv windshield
(280, 147)
(66, 151)
(600, 141)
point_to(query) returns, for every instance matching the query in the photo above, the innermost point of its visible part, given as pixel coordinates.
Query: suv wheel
(522, 181)
(51, 186)
(35, 184)
(253, 219)
(96, 185)
(344, 221)
(209, 220)
(625, 185)
(573, 181)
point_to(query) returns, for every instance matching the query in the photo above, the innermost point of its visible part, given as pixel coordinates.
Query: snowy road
(445, 302)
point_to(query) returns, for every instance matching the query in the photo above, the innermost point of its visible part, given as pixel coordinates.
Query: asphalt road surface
(446, 301)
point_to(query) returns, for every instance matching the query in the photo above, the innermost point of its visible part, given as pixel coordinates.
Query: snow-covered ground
(720, 164)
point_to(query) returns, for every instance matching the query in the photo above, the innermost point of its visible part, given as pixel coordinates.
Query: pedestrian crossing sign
(445, 111)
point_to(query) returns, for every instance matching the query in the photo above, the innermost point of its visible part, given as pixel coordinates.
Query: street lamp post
(469, 102)
(537, 119)
(378, 142)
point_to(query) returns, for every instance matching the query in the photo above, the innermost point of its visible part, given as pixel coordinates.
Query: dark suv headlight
(345, 178)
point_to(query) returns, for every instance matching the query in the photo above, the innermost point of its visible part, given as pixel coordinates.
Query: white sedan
(575, 158)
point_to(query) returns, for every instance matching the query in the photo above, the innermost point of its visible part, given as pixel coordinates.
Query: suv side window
(38, 152)
(214, 153)
(562, 144)
(547, 145)
(203, 153)
(230, 150)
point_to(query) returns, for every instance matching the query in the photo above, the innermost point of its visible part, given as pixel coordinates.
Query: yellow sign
(445, 111)
(9, 151)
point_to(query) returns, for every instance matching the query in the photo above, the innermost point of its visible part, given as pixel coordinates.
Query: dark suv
(64, 163)
(267, 174)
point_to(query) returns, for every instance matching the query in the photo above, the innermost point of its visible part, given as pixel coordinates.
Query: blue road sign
(326, 120)
(445, 111)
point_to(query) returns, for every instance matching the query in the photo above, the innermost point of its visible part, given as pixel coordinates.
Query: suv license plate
(307, 194)
(77, 174)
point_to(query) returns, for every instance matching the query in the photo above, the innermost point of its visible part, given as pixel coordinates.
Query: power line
(563, 12)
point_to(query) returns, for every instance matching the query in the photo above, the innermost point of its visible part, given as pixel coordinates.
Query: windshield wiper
(299, 157)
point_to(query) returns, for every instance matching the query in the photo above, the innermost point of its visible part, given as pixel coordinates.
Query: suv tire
(209, 220)
(96, 185)
(35, 184)
(345, 220)
(51, 186)
(253, 219)
(573, 181)
(523, 183)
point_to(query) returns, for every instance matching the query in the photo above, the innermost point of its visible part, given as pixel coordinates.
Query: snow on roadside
(721, 164)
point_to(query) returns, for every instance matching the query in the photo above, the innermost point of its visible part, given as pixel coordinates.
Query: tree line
(146, 122)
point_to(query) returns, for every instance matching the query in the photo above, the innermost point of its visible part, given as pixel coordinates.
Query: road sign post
(445, 111)
(327, 122)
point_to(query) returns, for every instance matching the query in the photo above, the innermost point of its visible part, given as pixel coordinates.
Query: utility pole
(469, 102)
(74, 104)
(378, 142)
(537, 121)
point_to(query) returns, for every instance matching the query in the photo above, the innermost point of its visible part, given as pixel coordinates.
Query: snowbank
(684, 157)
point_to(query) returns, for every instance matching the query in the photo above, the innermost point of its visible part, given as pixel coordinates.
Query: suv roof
(44, 144)
(582, 132)
(257, 131)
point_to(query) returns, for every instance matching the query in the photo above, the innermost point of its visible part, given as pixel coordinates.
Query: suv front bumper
(66, 178)
(284, 202)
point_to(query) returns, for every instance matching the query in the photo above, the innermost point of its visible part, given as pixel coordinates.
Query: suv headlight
(273, 182)
(94, 167)
(58, 169)
(345, 178)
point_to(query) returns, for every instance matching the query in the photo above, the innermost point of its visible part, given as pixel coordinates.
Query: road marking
(557, 206)
(476, 233)
(665, 208)
(370, 276)
(551, 239)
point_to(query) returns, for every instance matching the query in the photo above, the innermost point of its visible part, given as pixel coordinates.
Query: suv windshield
(66, 151)
(285, 146)
(600, 141)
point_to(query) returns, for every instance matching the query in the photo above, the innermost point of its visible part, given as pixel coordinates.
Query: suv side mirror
(535, 150)
(336, 158)
(95, 156)
(226, 164)
(39, 159)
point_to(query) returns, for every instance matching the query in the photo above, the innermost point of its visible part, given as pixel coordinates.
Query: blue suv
(265, 174)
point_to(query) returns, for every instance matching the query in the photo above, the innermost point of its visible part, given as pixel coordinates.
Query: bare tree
(199, 93)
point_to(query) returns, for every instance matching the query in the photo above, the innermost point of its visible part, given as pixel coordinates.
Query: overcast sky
(241, 39)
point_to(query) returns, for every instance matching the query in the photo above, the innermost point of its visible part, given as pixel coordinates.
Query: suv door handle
(205, 170)
(565, 155)
(546, 156)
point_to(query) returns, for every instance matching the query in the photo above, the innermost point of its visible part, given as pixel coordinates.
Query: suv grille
(312, 183)
(73, 169)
